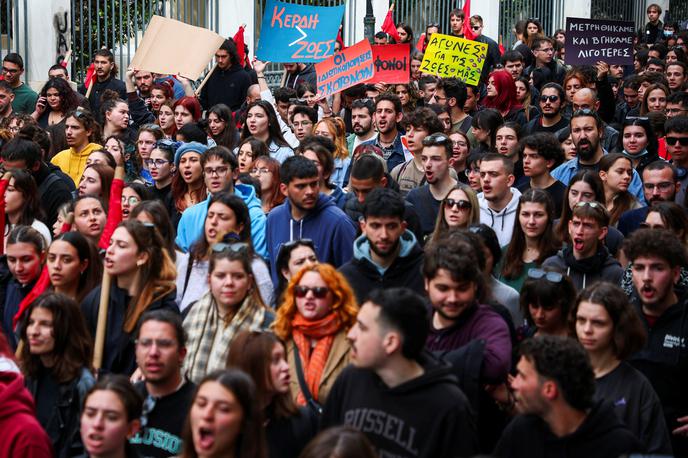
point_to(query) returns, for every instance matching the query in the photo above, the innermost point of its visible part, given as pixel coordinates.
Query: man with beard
(586, 133)
(229, 82)
(160, 351)
(6, 98)
(554, 392)
(361, 123)
(587, 99)
(586, 259)
(386, 254)
(451, 93)
(456, 288)
(657, 257)
(388, 112)
(437, 150)
(661, 183)
(24, 100)
(144, 83)
(551, 102)
(307, 214)
(105, 71)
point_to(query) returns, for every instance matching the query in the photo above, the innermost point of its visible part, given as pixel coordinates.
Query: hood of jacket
(14, 398)
(506, 211)
(435, 372)
(407, 243)
(296, 228)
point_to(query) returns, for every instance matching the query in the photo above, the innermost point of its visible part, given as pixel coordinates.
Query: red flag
(241, 48)
(340, 40)
(114, 216)
(39, 288)
(420, 44)
(467, 31)
(501, 48)
(90, 73)
(389, 28)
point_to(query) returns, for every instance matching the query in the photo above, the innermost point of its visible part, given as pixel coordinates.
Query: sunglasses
(235, 247)
(683, 141)
(536, 274)
(592, 204)
(459, 204)
(320, 292)
(549, 98)
(436, 139)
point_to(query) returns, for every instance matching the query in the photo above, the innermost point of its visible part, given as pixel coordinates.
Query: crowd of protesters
(431, 269)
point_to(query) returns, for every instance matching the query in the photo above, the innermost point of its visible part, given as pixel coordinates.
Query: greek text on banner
(591, 40)
(448, 56)
(352, 66)
(298, 33)
(392, 64)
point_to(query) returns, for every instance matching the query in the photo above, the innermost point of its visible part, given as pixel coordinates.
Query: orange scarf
(313, 362)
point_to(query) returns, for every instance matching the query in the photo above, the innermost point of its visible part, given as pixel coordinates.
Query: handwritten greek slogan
(448, 56)
(298, 33)
(352, 66)
(392, 64)
(591, 40)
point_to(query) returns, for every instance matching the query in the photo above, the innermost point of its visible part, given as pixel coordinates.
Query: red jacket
(22, 435)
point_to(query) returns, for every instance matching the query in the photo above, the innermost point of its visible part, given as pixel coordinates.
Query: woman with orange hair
(319, 308)
(501, 95)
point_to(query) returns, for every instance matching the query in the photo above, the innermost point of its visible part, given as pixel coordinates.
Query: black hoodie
(428, 416)
(600, 435)
(307, 75)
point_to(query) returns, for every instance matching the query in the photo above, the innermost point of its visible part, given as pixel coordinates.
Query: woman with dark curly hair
(56, 99)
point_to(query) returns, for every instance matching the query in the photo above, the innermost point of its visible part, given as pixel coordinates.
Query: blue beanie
(193, 147)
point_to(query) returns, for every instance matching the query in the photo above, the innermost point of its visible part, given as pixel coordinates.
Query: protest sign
(174, 48)
(298, 33)
(392, 64)
(448, 56)
(591, 40)
(352, 66)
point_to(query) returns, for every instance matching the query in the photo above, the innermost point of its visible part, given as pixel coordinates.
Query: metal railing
(13, 29)
(119, 26)
(550, 13)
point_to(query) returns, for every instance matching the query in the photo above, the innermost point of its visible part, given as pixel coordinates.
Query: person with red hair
(501, 95)
(186, 109)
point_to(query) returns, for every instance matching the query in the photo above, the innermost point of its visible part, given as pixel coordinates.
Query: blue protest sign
(298, 33)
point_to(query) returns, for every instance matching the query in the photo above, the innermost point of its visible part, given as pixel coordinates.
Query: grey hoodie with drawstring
(502, 222)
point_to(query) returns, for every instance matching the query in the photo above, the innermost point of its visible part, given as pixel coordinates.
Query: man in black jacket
(104, 78)
(53, 185)
(553, 390)
(656, 258)
(549, 68)
(386, 254)
(405, 401)
(229, 82)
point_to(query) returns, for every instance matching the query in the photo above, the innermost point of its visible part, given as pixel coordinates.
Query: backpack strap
(312, 403)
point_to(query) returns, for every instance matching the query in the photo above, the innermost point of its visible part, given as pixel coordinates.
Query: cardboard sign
(298, 33)
(591, 40)
(392, 64)
(174, 48)
(448, 56)
(352, 66)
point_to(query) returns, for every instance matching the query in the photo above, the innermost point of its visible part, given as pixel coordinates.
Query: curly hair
(343, 299)
(564, 361)
(655, 243)
(68, 99)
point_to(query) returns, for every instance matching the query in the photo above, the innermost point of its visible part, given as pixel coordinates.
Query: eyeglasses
(156, 163)
(168, 144)
(683, 141)
(554, 277)
(645, 225)
(663, 186)
(471, 170)
(637, 118)
(432, 24)
(151, 126)
(584, 112)
(591, 204)
(476, 27)
(302, 124)
(436, 139)
(675, 110)
(547, 50)
(549, 98)
(163, 344)
(11, 71)
(259, 171)
(235, 247)
(132, 200)
(320, 292)
(219, 171)
(459, 204)
(147, 408)
(459, 144)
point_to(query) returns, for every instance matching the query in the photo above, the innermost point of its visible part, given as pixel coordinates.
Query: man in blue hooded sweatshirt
(307, 214)
(219, 169)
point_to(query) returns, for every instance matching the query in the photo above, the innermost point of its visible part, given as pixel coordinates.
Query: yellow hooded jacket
(73, 163)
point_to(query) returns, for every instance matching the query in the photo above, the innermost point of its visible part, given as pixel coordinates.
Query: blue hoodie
(330, 229)
(192, 222)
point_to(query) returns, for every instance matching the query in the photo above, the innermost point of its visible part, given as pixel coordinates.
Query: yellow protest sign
(449, 56)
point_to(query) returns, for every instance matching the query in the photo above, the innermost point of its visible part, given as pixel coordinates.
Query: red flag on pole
(340, 40)
(467, 31)
(240, 44)
(114, 212)
(90, 73)
(4, 183)
(388, 26)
